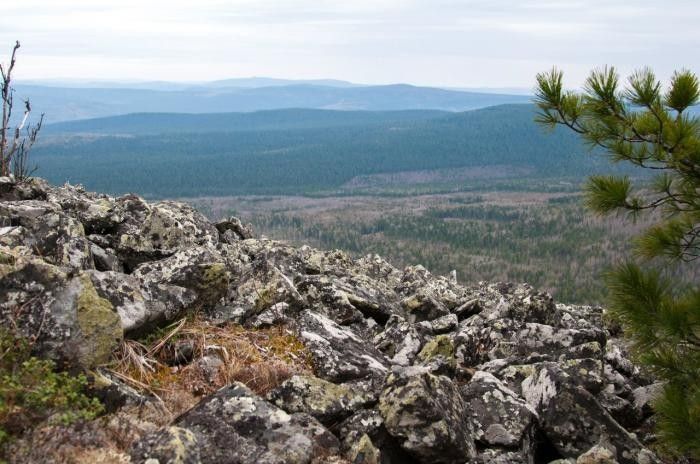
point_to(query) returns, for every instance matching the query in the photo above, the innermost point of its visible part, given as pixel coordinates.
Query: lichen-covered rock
(326, 401)
(439, 355)
(499, 416)
(236, 426)
(30, 189)
(400, 341)
(198, 269)
(573, 420)
(232, 229)
(151, 232)
(42, 227)
(425, 413)
(441, 325)
(418, 280)
(363, 433)
(363, 451)
(173, 445)
(504, 456)
(99, 214)
(349, 298)
(644, 396)
(63, 312)
(105, 259)
(141, 305)
(338, 353)
(512, 329)
(421, 306)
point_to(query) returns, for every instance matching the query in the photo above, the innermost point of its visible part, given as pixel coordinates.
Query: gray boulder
(152, 232)
(198, 269)
(174, 445)
(44, 229)
(499, 416)
(232, 230)
(326, 401)
(70, 323)
(425, 413)
(338, 353)
(236, 426)
(141, 305)
(574, 421)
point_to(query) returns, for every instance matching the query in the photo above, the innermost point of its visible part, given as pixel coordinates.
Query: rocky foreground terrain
(405, 366)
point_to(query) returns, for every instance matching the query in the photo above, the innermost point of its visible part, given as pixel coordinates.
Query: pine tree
(644, 125)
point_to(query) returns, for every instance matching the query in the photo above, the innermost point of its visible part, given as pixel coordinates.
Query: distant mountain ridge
(73, 103)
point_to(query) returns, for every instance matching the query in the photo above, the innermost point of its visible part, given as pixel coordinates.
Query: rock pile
(409, 367)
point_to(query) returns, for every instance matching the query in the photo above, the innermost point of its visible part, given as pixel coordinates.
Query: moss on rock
(99, 324)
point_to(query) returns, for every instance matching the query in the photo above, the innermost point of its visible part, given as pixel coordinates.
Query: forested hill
(292, 161)
(270, 120)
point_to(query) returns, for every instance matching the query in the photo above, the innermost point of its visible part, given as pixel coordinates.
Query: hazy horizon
(185, 84)
(442, 43)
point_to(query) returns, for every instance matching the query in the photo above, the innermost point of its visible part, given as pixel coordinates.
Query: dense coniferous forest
(269, 120)
(315, 159)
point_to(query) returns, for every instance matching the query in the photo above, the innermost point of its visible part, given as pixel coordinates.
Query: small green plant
(32, 391)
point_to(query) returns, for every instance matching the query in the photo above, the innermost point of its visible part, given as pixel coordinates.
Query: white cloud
(441, 42)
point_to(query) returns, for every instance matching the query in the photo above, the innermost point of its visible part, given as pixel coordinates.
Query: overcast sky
(468, 43)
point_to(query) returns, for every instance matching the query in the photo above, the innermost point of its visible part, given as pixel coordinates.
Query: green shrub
(32, 391)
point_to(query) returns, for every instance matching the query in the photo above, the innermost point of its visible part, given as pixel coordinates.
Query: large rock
(30, 189)
(338, 353)
(99, 214)
(236, 426)
(499, 416)
(349, 298)
(326, 401)
(174, 445)
(400, 341)
(151, 232)
(43, 228)
(63, 312)
(574, 421)
(417, 280)
(426, 414)
(365, 440)
(232, 230)
(198, 269)
(142, 305)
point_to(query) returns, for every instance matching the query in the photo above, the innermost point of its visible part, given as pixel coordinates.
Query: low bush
(31, 391)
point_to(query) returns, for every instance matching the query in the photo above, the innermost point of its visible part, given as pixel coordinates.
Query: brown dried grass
(260, 358)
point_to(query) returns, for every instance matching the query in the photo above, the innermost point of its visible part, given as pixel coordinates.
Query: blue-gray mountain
(69, 103)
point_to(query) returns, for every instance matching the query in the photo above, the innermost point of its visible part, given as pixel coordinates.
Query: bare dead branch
(15, 147)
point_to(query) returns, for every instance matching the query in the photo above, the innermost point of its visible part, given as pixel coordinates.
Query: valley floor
(546, 238)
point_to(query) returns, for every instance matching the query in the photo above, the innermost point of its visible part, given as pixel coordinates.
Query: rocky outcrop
(236, 425)
(409, 367)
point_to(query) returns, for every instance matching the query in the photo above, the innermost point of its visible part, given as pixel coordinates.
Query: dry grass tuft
(260, 358)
